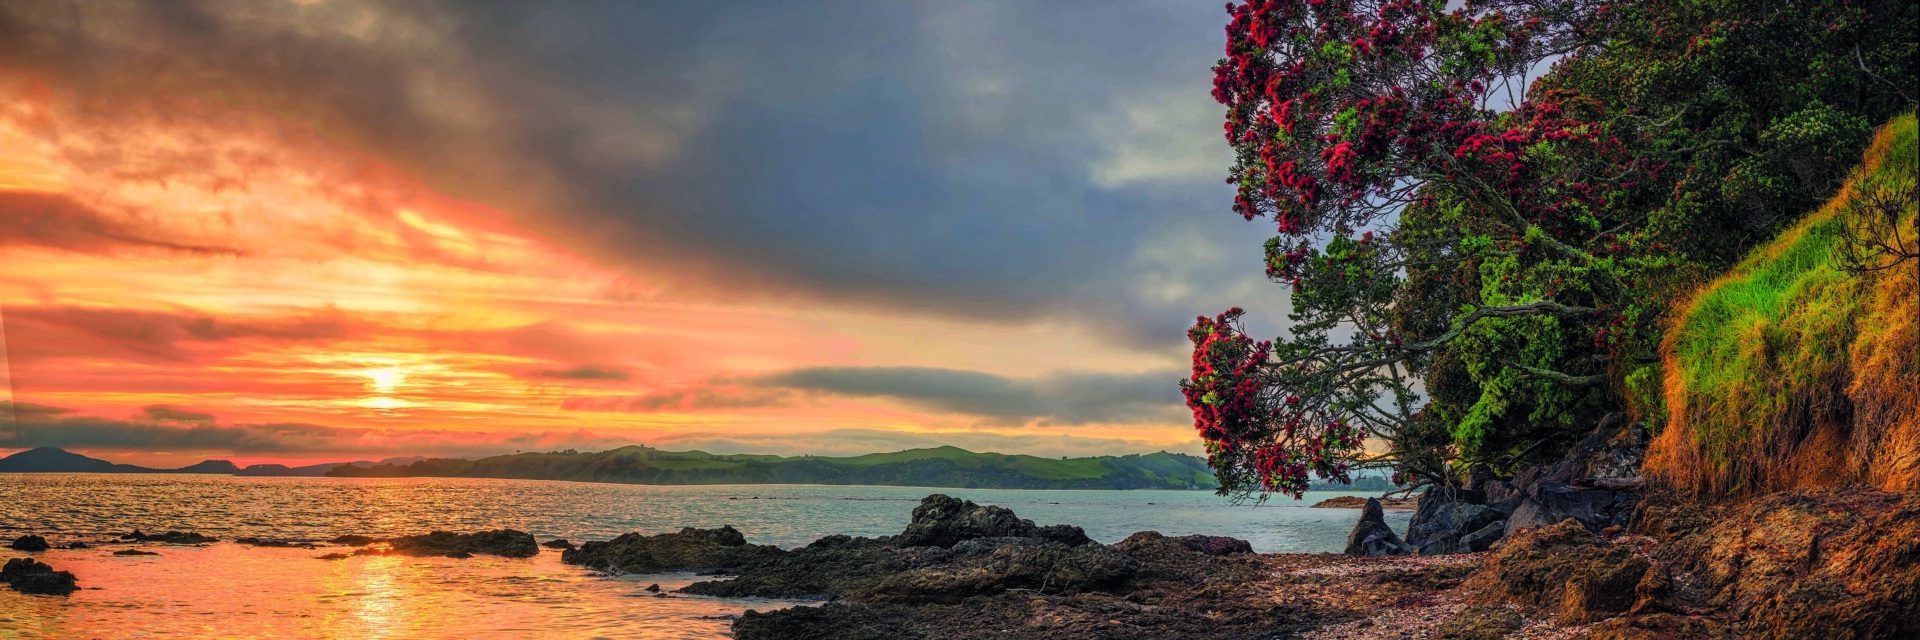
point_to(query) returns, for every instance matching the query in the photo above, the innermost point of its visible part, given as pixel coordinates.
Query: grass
(1790, 370)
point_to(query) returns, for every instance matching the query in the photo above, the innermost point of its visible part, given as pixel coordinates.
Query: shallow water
(228, 590)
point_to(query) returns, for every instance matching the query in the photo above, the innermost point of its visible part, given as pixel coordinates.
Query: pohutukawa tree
(1472, 257)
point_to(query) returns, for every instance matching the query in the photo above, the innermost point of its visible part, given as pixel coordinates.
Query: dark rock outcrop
(170, 537)
(690, 548)
(499, 542)
(29, 543)
(560, 544)
(1563, 569)
(1372, 536)
(134, 552)
(352, 540)
(944, 521)
(1447, 518)
(27, 575)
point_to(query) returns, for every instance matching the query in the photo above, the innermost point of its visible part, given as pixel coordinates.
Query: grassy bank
(1793, 370)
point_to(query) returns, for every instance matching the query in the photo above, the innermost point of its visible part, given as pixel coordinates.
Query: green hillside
(935, 467)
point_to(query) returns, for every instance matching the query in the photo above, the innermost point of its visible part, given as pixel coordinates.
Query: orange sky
(241, 273)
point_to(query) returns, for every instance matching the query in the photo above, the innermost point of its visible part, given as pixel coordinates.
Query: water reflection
(229, 590)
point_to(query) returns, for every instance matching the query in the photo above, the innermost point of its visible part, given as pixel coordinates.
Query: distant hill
(57, 460)
(935, 467)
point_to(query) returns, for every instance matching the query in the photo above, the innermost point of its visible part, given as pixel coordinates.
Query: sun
(384, 380)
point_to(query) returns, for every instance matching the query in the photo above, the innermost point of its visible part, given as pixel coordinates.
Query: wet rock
(1372, 537)
(333, 556)
(134, 552)
(355, 540)
(560, 543)
(944, 521)
(170, 537)
(654, 588)
(843, 541)
(499, 542)
(29, 543)
(690, 548)
(27, 575)
(78, 545)
(1066, 534)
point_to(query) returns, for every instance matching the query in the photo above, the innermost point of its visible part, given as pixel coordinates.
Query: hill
(934, 467)
(57, 460)
(1797, 368)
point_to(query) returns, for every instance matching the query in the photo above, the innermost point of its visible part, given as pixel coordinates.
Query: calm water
(227, 590)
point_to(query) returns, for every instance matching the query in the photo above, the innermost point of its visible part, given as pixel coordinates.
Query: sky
(287, 231)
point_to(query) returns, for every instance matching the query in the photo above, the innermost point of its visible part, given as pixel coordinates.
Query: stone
(1212, 545)
(1372, 537)
(134, 552)
(27, 575)
(944, 521)
(690, 548)
(1484, 538)
(1445, 518)
(29, 543)
(1550, 502)
(560, 543)
(1654, 592)
(1069, 535)
(1604, 589)
(506, 543)
(78, 545)
(171, 537)
(1561, 569)
(354, 540)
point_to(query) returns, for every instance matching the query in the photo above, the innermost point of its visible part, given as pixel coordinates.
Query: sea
(227, 590)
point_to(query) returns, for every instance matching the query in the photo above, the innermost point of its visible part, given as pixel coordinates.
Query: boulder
(560, 543)
(170, 537)
(1372, 537)
(1445, 518)
(1550, 502)
(27, 575)
(1563, 570)
(1070, 535)
(944, 521)
(690, 548)
(78, 545)
(1483, 539)
(134, 552)
(29, 543)
(355, 540)
(500, 542)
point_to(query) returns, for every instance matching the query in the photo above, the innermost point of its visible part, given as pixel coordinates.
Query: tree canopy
(1483, 215)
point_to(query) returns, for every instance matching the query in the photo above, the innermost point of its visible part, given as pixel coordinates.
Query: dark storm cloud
(59, 221)
(1011, 160)
(1069, 398)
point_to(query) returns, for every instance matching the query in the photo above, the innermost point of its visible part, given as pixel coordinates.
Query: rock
(1602, 590)
(1659, 626)
(134, 552)
(1835, 562)
(29, 543)
(1070, 535)
(944, 521)
(1358, 502)
(991, 565)
(170, 537)
(459, 555)
(354, 540)
(560, 543)
(1484, 538)
(1551, 502)
(499, 542)
(333, 556)
(690, 548)
(1563, 569)
(1654, 592)
(1212, 545)
(1372, 537)
(655, 587)
(843, 541)
(78, 545)
(27, 575)
(1445, 518)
